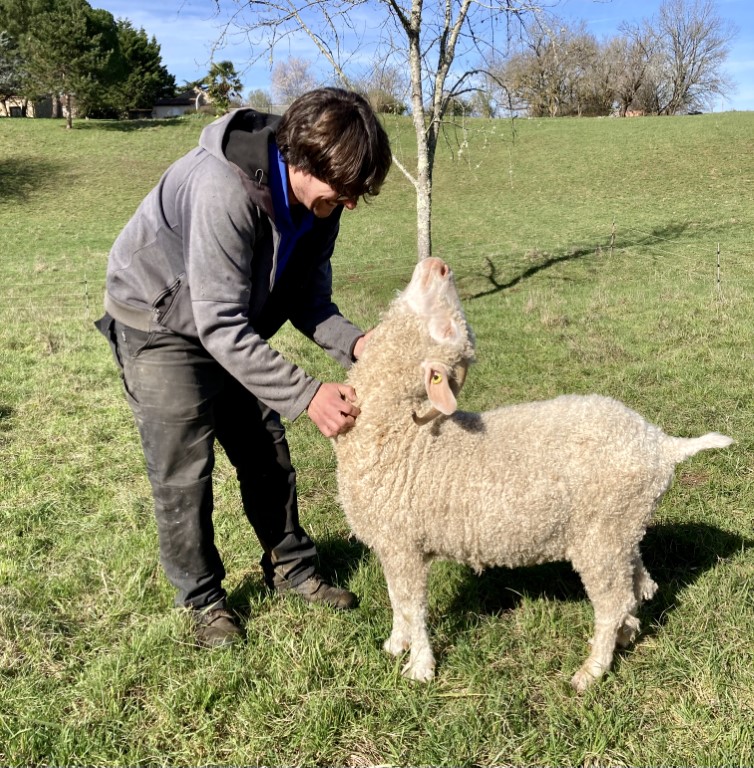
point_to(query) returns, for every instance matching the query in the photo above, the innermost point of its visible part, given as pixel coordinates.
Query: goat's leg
(406, 576)
(400, 637)
(644, 589)
(611, 590)
(644, 585)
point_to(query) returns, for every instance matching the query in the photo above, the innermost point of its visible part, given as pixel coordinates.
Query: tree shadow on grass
(21, 176)
(650, 238)
(675, 555)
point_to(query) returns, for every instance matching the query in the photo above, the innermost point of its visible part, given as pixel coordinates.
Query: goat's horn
(460, 377)
(426, 417)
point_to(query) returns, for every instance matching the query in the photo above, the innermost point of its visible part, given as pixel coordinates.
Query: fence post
(719, 287)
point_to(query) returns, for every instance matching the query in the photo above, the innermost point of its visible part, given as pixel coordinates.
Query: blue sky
(187, 29)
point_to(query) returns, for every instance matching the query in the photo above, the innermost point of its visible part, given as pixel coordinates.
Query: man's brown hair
(335, 136)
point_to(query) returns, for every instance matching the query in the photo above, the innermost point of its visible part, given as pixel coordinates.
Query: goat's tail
(684, 447)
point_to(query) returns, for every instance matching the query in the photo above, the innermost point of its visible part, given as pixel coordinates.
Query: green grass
(586, 252)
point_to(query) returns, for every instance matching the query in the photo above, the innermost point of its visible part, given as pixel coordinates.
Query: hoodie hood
(242, 138)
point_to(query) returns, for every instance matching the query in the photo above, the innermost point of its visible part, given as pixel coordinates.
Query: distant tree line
(666, 65)
(669, 64)
(79, 56)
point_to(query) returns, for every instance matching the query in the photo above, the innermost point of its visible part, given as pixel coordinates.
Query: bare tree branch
(437, 37)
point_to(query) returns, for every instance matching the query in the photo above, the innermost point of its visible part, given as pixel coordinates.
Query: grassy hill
(594, 255)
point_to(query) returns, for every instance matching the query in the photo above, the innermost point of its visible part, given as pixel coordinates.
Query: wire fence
(61, 288)
(60, 299)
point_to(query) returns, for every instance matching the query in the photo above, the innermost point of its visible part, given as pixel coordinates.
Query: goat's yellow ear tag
(436, 385)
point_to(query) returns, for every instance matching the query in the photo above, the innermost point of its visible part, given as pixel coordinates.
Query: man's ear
(437, 385)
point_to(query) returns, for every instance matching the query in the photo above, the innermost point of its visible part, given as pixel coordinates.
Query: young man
(234, 240)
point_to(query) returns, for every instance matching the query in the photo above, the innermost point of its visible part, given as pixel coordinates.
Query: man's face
(320, 198)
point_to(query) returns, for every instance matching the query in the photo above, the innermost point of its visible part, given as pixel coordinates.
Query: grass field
(587, 254)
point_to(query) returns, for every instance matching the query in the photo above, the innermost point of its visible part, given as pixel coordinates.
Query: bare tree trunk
(428, 135)
(423, 175)
(445, 21)
(423, 181)
(69, 112)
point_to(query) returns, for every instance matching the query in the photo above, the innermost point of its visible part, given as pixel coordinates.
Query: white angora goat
(576, 478)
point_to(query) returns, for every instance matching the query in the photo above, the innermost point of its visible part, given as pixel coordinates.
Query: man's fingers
(349, 409)
(347, 392)
(337, 426)
(332, 409)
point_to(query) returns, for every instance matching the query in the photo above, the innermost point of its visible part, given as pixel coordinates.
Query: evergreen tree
(80, 56)
(11, 69)
(68, 50)
(146, 78)
(94, 98)
(15, 16)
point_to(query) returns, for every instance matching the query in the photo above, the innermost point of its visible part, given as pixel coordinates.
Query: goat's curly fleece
(575, 478)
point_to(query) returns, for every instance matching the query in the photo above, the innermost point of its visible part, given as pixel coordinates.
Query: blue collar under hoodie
(291, 221)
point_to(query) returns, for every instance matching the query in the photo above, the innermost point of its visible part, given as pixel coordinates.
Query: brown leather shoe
(216, 628)
(315, 590)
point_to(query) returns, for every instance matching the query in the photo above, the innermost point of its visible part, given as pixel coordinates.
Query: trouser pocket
(106, 326)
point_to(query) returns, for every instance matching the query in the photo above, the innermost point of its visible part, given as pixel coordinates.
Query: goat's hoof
(422, 673)
(395, 646)
(589, 672)
(648, 590)
(627, 632)
(582, 680)
(624, 638)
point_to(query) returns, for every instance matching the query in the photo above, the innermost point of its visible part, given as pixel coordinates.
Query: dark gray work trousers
(183, 401)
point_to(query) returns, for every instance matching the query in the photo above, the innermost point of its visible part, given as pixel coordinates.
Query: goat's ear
(437, 384)
(444, 330)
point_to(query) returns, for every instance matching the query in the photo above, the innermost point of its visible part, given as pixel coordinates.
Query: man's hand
(358, 349)
(332, 409)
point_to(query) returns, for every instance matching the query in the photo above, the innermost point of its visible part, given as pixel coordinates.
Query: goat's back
(513, 486)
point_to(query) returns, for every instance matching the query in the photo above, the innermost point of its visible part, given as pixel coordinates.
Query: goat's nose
(437, 265)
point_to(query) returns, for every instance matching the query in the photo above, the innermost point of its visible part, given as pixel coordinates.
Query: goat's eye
(436, 378)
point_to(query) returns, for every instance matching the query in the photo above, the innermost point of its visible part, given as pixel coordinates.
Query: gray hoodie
(198, 258)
